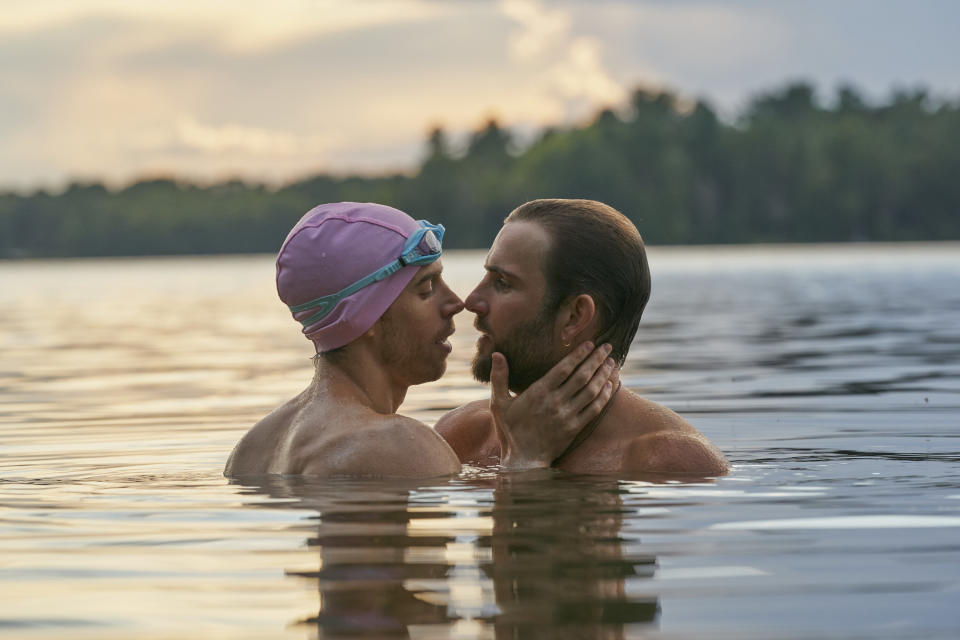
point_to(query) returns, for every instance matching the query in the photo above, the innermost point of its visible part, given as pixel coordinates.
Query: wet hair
(596, 250)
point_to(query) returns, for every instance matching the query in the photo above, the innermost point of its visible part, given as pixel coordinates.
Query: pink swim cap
(332, 247)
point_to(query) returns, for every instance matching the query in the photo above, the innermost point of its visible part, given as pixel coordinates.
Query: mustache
(447, 332)
(480, 325)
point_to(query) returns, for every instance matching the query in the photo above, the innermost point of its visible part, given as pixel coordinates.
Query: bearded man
(559, 273)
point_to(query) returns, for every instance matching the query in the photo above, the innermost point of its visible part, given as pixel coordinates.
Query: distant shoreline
(656, 251)
(792, 168)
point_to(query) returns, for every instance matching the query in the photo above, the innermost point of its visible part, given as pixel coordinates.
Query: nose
(452, 305)
(476, 304)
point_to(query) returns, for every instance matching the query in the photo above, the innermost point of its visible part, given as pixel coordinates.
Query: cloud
(542, 30)
(233, 138)
(240, 25)
(146, 90)
(570, 67)
(581, 74)
(698, 48)
(274, 89)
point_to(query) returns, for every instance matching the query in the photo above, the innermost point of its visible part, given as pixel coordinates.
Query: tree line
(789, 168)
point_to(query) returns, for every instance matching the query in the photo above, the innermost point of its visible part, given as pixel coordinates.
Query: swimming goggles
(422, 247)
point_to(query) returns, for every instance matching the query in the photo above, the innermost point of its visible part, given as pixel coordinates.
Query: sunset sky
(274, 90)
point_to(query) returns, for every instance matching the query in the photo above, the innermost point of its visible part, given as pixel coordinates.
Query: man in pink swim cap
(365, 282)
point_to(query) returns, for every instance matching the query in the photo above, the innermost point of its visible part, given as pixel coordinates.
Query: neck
(588, 430)
(362, 378)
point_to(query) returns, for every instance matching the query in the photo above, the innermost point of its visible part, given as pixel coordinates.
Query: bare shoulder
(470, 417)
(666, 443)
(467, 429)
(257, 448)
(385, 446)
(674, 453)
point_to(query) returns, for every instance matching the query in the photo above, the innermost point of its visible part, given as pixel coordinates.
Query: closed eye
(426, 289)
(499, 279)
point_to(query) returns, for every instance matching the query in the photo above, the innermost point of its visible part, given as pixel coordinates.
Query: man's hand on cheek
(536, 426)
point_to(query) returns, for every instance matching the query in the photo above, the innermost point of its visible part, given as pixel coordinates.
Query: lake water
(829, 375)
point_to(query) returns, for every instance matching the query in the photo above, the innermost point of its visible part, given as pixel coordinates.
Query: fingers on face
(499, 374)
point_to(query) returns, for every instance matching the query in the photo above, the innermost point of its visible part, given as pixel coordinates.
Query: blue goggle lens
(431, 242)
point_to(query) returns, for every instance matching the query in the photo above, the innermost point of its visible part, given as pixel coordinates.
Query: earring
(566, 345)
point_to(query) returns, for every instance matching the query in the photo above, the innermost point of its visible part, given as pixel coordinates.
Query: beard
(528, 350)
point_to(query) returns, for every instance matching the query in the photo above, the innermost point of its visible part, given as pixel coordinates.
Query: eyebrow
(500, 270)
(429, 275)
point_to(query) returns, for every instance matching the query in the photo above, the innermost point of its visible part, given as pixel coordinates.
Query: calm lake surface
(829, 375)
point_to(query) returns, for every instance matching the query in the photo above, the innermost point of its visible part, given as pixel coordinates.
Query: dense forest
(790, 167)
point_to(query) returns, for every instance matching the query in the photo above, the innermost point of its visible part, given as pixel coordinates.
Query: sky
(277, 90)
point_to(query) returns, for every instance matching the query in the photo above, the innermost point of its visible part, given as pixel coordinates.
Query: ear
(576, 317)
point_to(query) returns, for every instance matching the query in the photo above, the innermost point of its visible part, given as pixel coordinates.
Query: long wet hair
(596, 250)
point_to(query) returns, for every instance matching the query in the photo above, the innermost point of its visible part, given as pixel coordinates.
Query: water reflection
(535, 555)
(120, 403)
(558, 564)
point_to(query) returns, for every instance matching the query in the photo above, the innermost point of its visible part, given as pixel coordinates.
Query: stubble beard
(528, 351)
(417, 363)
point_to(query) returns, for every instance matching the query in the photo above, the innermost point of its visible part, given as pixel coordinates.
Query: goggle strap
(326, 303)
(413, 240)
